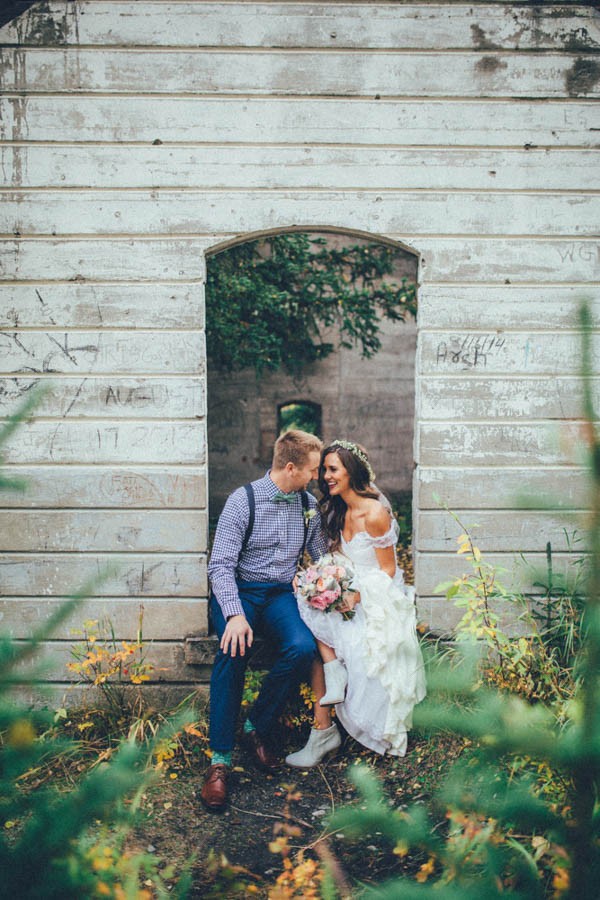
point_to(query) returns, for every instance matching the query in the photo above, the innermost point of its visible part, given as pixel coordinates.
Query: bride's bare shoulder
(377, 519)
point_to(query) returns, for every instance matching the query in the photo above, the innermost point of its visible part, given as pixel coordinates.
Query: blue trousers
(272, 609)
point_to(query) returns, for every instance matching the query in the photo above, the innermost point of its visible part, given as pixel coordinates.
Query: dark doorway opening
(339, 394)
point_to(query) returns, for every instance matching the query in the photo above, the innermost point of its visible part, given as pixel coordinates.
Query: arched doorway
(371, 400)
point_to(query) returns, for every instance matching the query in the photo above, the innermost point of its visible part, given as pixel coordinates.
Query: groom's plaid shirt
(271, 554)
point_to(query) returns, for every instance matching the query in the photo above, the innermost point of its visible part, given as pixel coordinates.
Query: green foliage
(298, 711)
(474, 858)
(253, 680)
(538, 662)
(269, 301)
(305, 416)
(101, 865)
(402, 509)
(506, 837)
(49, 844)
(485, 803)
(559, 616)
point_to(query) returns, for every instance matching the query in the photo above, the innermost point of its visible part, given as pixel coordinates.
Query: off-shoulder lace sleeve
(389, 539)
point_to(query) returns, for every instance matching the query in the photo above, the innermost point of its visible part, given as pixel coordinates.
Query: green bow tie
(280, 496)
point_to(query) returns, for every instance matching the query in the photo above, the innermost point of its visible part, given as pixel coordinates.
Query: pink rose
(319, 602)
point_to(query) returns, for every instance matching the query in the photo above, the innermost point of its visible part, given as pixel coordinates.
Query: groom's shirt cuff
(231, 608)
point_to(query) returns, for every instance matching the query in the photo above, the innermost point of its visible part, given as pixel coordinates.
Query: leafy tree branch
(270, 301)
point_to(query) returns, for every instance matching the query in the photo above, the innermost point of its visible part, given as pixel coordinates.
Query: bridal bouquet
(324, 584)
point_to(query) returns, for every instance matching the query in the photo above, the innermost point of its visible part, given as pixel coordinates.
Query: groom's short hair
(295, 446)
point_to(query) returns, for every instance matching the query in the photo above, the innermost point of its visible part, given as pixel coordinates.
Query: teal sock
(248, 727)
(223, 759)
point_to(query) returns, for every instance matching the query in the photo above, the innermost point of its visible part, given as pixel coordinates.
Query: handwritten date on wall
(469, 351)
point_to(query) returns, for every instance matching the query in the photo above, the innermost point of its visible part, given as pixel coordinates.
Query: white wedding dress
(379, 648)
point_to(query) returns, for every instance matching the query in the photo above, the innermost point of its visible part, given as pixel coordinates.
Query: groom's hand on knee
(237, 636)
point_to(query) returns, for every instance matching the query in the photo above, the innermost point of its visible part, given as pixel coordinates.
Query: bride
(372, 665)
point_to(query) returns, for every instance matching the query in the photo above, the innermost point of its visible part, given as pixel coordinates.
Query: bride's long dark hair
(333, 509)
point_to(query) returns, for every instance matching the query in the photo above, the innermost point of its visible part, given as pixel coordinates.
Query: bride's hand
(349, 602)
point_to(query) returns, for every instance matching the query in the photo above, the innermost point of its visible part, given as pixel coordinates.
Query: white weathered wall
(135, 136)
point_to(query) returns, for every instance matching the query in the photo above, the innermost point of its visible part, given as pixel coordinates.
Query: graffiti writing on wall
(469, 351)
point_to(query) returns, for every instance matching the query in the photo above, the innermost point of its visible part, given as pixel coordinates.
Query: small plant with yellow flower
(112, 666)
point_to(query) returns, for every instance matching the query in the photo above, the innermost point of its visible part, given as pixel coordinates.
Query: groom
(261, 535)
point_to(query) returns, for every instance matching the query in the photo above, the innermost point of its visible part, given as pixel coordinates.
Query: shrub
(503, 839)
(49, 843)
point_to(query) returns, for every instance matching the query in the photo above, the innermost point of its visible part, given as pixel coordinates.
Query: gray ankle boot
(336, 679)
(321, 742)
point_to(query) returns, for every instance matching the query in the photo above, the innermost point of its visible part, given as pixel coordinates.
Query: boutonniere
(309, 514)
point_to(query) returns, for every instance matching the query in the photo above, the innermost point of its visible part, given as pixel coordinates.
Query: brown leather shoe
(261, 754)
(214, 789)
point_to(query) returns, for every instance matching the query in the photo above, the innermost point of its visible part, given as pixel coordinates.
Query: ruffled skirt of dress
(381, 652)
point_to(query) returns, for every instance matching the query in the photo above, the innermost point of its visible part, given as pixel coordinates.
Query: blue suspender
(252, 507)
(304, 498)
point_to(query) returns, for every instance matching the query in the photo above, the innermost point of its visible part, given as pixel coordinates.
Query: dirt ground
(175, 825)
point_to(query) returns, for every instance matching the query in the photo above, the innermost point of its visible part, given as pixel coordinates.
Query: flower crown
(356, 451)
